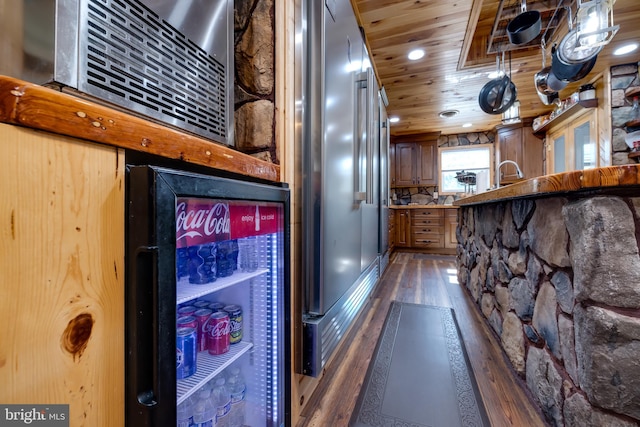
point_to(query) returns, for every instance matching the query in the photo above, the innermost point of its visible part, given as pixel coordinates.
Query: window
(475, 159)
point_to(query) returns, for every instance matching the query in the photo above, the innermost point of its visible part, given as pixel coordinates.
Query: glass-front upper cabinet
(584, 142)
(573, 145)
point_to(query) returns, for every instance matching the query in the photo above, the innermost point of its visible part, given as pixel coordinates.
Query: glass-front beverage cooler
(207, 301)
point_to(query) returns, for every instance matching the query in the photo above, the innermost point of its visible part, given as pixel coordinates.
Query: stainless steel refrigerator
(207, 308)
(340, 121)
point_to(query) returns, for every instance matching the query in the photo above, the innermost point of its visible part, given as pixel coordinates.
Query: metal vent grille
(134, 59)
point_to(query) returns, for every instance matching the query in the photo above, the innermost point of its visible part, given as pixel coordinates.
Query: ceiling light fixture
(626, 48)
(595, 23)
(394, 119)
(467, 125)
(447, 114)
(416, 54)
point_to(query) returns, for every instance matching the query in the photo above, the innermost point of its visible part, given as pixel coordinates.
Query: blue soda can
(186, 352)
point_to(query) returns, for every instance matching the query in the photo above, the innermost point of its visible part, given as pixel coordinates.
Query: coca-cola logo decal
(197, 222)
(201, 221)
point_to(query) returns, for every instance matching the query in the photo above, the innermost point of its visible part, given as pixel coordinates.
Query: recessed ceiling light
(448, 113)
(416, 54)
(495, 74)
(467, 125)
(394, 119)
(626, 48)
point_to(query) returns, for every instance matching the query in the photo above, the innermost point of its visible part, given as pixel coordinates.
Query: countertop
(422, 207)
(37, 107)
(605, 180)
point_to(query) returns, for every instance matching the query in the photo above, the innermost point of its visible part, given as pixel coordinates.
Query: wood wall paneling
(62, 261)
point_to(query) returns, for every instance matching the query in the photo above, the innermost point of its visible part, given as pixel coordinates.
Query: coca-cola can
(202, 316)
(187, 322)
(186, 310)
(216, 306)
(217, 330)
(201, 304)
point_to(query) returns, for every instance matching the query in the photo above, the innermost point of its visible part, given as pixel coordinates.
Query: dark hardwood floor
(430, 280)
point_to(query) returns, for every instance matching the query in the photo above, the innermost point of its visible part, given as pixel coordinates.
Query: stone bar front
(556, 274)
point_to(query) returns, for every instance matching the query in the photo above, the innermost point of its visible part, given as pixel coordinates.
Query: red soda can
(186, 310)
(201, 304)
(217, 329)
(216, 306)
(202, 316)
(187, 322)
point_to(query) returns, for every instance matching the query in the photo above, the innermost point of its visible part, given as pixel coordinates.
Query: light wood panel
(455, 68)
(421, 279)
(62, 263)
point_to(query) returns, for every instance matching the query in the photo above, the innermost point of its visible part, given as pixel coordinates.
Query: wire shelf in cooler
(208, 366)
(185, 291)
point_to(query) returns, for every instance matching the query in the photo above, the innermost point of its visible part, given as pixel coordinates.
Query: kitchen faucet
(518, 171)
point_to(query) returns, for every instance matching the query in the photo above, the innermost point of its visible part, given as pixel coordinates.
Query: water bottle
(248, 254)
(237, 390)
(234, 254)
(185, 413)
(224, 259)
(222, 401)
(202, 263)
(204, 410)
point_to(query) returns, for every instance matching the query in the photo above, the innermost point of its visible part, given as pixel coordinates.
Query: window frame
(463, 148)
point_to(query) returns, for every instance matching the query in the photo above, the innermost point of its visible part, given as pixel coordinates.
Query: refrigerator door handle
(371, 129)
(146, 372)
(361, 154)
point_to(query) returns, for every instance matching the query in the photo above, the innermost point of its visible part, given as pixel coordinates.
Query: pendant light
(594, 29)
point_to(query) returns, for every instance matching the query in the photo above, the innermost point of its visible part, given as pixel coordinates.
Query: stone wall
(558, 281)
(622, 78)
(255, 79)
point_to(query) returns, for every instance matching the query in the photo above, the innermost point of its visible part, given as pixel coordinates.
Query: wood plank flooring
(430, 280)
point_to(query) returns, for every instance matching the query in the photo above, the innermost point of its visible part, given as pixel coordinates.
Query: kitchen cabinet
(403, 228)
(416, 161)
(450, 225)
(572, 143)
(427, 228)
(518, 143)
(392, 229)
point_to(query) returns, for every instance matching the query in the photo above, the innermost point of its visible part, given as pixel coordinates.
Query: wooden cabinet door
(450, 225)
(405, 164)
(510, 149)
(392, 229)
(403, 228)
(427, 167)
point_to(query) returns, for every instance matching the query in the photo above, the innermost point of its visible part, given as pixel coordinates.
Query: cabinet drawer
(427, 222)
(427, 228)
(427, 213)
(427, 240)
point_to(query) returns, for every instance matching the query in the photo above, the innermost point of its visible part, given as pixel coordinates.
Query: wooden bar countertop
(606, 180)
(422, 207)
(37, 107)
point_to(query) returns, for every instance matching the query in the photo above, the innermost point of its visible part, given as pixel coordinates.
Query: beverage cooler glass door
(207, 301)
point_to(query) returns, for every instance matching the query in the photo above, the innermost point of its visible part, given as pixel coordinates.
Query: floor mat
(419, 374)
